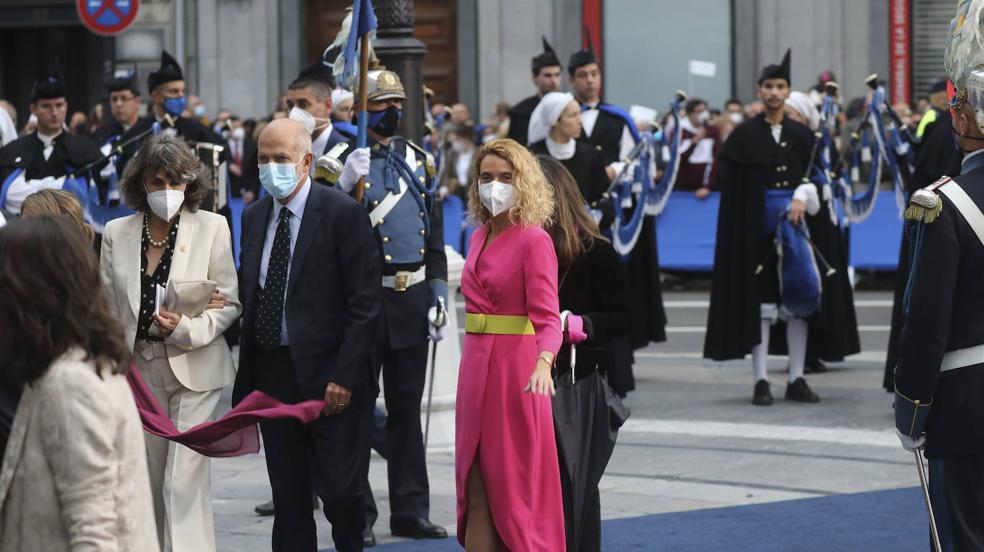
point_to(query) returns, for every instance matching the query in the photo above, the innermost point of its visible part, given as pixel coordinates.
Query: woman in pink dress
(506, 470)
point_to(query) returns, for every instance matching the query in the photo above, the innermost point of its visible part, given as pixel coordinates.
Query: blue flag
(363, 21)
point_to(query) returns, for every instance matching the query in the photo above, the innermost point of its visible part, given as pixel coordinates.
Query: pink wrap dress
(507, 431)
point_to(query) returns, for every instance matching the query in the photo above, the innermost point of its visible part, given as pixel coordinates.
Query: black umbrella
(587, 415)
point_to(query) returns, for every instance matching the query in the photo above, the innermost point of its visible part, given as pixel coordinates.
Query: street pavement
(694, 440)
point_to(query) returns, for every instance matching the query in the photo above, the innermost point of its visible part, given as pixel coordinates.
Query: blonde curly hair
(534, 196)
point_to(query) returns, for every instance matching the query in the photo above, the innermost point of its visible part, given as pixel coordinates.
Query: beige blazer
(199, 356)
(74, 473)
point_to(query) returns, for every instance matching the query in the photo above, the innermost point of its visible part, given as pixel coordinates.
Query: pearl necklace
(157, 244)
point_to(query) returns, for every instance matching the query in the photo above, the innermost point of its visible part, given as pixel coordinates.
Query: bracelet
(545, 359)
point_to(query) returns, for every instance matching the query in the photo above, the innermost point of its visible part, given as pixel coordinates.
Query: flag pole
(360, 141)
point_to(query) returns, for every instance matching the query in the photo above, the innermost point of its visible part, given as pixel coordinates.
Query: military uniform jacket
(410, 235)
(27, 154)
(944, 311)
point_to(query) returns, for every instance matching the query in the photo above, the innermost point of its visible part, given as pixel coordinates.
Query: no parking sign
(107, 17)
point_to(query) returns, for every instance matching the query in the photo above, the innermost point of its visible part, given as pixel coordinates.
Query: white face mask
(238, 133)
(309, 121)
(497, 197)
(704, 116)
(165, 203)
(736, 117)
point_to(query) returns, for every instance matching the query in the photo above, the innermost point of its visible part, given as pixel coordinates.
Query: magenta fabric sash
(234, 434)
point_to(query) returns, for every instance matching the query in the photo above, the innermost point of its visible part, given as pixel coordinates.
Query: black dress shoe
(762, 396)
(265, 509)
(419, 528)
(815, 367)
(799, 391)
(368, 538)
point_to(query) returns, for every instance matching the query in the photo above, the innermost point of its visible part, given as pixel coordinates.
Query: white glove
(436, 332)
(356, 167)
(910, 444)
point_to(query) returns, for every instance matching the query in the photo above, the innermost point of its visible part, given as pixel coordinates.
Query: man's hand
(356, 167)
(236, 169)
(702, 193)
(910, 444)
(248, 197)
(336, 399)
(797, 211)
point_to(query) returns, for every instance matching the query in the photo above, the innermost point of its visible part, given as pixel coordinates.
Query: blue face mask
(279, 179)
(174, 106)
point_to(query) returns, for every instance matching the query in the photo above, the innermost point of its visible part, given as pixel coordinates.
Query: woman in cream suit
(184, 360)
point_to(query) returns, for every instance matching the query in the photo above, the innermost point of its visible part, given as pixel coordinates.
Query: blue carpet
(879, 520)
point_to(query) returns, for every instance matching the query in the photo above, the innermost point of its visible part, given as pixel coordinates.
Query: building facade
(240, 54)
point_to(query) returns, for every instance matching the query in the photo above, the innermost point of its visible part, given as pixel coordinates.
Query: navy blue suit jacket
(333, 294)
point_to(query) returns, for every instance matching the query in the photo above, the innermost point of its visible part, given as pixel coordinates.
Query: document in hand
(188, 297)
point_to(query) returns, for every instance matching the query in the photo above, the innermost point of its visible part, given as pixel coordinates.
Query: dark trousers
(956, 488)
(404, 372)
(328, 456)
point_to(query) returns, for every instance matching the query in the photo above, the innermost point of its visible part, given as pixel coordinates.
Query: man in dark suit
(309, 278)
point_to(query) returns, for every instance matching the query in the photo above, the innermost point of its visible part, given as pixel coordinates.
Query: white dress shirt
(588, 119)
(296, 207)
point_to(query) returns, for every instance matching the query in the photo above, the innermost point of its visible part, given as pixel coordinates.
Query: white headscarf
(339, 95)
(546, 115)
(804, 106)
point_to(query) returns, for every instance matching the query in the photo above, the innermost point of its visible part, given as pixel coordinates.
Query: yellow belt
(497, 324)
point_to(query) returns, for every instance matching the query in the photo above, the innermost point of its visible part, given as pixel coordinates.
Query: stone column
(401, 53)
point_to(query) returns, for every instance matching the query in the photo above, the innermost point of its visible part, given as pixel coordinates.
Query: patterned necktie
(270, 309)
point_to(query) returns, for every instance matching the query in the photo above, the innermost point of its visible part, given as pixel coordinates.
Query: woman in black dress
(593, 295)
(554, 128)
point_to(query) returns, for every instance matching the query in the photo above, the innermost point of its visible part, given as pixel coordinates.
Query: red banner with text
(900, 50)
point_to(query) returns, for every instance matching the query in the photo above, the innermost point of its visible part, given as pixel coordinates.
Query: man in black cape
(763, 161)
(546, 77)
(50, 152)
(166, 86)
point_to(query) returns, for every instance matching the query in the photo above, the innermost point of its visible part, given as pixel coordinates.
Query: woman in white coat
(183, 359)
(74, 471)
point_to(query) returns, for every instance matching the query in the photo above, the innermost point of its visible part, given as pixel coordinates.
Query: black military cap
(547, 59)
(169, 71)
(780, 71)
(126, 81)
(582, 57)
(48, 88)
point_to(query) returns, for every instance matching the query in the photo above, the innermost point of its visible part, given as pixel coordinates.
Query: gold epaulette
(925, 205)
(428, 158)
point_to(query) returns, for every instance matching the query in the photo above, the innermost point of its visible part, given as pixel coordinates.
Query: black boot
(799, 391)
(762, 396)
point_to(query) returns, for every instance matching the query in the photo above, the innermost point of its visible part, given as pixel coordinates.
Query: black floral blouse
(148, 282)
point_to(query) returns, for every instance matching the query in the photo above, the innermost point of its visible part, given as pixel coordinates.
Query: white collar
(561, 152)
(971, 154)
(318, 144)
(47, 140)
(296, 203)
